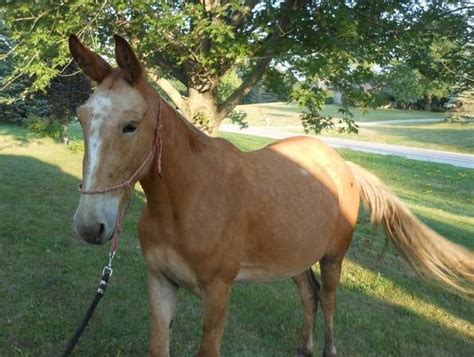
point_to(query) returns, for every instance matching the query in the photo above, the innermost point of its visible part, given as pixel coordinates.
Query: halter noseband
(155, 150)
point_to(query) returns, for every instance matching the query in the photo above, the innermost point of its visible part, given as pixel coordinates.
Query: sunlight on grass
(287, 114)
(378, 286)
(465, 221)
(435, 136)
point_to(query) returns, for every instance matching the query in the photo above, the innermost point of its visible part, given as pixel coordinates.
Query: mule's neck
(182, 149)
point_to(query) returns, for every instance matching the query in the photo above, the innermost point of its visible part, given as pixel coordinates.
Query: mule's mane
(181, 116)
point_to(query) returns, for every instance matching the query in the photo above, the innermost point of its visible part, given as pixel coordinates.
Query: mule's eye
(130, 127)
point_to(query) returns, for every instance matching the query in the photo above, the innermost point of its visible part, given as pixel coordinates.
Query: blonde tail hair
(424, 249)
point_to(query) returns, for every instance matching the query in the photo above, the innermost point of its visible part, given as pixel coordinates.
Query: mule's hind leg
(308, 288)
(330, 275)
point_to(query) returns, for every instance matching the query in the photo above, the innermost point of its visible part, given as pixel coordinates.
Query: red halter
(130, 183)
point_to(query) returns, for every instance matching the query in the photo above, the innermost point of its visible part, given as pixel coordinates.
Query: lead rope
(107, 271)
(106, 274)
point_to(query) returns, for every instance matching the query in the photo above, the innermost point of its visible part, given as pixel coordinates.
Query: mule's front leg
(215, 298)
(162, 294)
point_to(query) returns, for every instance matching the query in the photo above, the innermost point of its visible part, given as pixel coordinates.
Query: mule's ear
(94, 66)
(127, 60)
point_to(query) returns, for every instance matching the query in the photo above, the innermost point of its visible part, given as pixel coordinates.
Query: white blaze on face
(100, 107)
(106, 109)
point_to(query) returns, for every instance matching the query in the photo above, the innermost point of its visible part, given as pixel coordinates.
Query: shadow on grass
(49, 276)
(20, 136)
(277, 107)
(275, 116)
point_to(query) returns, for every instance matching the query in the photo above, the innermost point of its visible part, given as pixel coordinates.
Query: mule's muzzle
(94, 233)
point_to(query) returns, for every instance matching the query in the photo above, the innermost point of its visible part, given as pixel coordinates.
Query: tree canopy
(294, 46)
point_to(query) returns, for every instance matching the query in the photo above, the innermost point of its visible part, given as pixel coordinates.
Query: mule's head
(118, 121)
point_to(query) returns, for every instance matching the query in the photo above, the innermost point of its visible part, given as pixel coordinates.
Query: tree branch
(245, 88)
(168, 88)
(171, 68)
(238, 18)
(267, 54)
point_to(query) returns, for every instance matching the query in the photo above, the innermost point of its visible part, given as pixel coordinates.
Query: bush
(76, 145)
(329, 100)
(17, 112)
(460, 107)
(44, 127)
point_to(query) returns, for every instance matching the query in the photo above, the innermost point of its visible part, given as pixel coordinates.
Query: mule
(215, 215)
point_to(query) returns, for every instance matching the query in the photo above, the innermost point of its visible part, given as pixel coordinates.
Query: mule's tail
(424, 249)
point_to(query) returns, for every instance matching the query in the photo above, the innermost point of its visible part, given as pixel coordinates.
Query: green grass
(48, 277)
(435, 136)
(284, 114)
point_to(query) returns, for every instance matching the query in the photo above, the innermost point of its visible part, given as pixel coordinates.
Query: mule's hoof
(304, 352)
(330, 352)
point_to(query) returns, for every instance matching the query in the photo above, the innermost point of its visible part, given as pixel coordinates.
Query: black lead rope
(106, 274)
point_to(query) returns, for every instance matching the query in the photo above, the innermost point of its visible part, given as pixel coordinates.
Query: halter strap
(156, 149)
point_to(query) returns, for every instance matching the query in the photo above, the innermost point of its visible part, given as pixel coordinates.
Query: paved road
(444, 157)
(400, 121)
(368, 123)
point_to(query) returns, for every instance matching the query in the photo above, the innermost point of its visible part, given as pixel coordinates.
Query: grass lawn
(283, 114)
(48, 277)
(436, 136)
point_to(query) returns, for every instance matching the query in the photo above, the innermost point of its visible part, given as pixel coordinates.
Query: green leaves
(293, 44)
(312, 98)
(238, 117)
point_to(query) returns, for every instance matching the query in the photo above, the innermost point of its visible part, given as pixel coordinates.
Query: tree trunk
(203, 110)
(428, 103)
(65, 124)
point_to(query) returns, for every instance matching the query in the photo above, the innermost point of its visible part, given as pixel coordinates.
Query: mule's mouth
(111, 235)
(96, 220)
(94, 241)
(96, 234)
(102, 239)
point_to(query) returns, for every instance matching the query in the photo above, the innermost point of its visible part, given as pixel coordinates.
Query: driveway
(443, 157)
(401, 121)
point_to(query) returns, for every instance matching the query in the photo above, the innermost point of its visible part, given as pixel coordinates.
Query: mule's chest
(166, 261)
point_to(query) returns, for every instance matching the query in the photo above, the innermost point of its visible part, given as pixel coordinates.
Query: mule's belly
(287, 233)
(259, 274)
(282, 256)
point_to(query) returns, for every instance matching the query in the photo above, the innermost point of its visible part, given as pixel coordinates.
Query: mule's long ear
(127, 60)
(94, 66)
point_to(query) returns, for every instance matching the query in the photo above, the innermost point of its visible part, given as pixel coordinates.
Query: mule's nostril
(101, 229)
